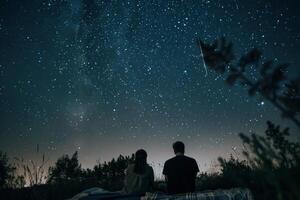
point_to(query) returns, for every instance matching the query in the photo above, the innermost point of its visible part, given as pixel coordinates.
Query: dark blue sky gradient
(108, 77)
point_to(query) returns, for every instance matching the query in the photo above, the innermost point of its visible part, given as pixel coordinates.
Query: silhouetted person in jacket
(139, 176)
(180, 171)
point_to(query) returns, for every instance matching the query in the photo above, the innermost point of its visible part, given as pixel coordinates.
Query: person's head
(140, 161)
(178, 147)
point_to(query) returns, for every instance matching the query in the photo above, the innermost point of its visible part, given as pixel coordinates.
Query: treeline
(67, 168)
(271, 170)
(109, 175)
(60, 181)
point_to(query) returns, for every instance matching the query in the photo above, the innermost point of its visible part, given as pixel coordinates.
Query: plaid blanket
(231, 194)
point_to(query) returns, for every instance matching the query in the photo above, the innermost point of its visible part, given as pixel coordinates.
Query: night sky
(109, 77)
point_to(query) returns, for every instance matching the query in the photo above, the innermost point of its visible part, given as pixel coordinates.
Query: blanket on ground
(229, 194)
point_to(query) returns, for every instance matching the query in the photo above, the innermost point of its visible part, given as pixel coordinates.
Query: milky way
(108, 77)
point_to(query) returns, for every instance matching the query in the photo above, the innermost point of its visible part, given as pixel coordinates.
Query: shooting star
(201, 53)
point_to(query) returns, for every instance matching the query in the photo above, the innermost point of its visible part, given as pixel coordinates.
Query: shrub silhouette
(275, 161)
(271, 169)
(32, 171)
(67, 178)
(111, 174)
(6, 171)
(271, 82)
(65, 168)
(272, 151)
(9, 178)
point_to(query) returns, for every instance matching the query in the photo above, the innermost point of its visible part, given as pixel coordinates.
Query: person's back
(139, 177)
(180, 172)
(138, 183)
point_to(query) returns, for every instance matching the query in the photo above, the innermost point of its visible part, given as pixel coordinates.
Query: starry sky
(109, 77)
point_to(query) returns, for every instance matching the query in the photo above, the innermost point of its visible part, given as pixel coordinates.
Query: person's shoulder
(149, 169)
(170, 160)
(190, 159)
(192, 162)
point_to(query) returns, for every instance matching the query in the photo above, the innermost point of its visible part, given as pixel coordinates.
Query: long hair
(140, 161)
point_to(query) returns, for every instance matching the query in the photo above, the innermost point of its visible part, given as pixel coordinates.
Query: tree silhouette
(274, 150)
(9, 178)
(111, 174)
(65, 169)
(272, 84)
(271, 169)
(272, 165)
(6, 171)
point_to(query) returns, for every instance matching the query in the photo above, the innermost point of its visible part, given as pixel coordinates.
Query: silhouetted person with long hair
(139, 176)
(180, 171)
